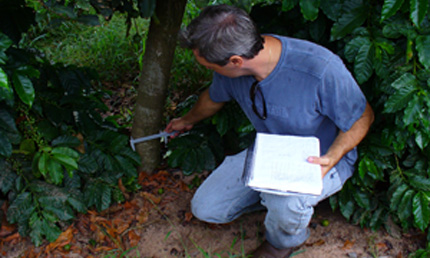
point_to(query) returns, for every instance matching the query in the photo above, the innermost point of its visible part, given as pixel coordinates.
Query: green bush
(58, 156)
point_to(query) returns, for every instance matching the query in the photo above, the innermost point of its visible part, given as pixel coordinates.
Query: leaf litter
(154, 223)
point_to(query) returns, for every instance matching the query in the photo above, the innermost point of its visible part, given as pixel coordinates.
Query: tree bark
(152, 91)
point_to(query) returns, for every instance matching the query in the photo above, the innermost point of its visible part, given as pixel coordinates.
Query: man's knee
(292, 215)
(206, 212)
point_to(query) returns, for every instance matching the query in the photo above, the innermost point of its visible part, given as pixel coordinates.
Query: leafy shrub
(57, 155)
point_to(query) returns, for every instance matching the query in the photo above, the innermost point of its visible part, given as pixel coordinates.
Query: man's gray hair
(221, 31)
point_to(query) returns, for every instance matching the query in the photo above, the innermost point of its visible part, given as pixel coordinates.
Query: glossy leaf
(4, 83)
(406, 88)
(354, 16)
(287, 5)
(7, 177)
(66, 141)
(412, 111)
(418, 11)
(390, 8)
(397, 196)
(353, 46)
(36, 233)
(24, 88)
(43, 163)
(422, 139)
(55, 171)
(423, 49)
(310, 9)
(5, 42)
(20, 208)
(5, 145)
(405, 206)
(363, 65)
(421, 211)
(331, 8)
(419, 182)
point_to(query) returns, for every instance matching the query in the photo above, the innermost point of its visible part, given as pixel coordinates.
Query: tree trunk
(157, 62)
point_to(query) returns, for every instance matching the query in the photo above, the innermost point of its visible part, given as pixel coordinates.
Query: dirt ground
(158, 223)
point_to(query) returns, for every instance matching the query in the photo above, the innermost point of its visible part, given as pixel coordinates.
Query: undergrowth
(107, 47)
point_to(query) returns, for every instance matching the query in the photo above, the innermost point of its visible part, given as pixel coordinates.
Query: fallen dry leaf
(133, 238)
(348, 244)
(188, 216)
(151, 197)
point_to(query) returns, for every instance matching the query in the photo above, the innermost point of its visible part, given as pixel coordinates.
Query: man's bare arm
(204, 108)
(345, 141)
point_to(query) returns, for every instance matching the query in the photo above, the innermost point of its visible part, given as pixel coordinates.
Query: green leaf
(88, 164)
(354, 16)
(353, 46)
(126, 166)
(420, 182)
(406, 87)
(63, 213)
(50, 230)
(412, 111)
(363, 65)
(287, 5)
(65, 160)
(397, 196)
(3, 80)
(21, 208)
(362, 199)
(7, 177)
(24, 88)
(390, 8)
(422, 139)
(66, 141)
(65, 10)
(418, 11)
(91, 20)
(310, 9)
(66, 152)
(7, 121)
(5, 42)
(331, 8)
(77, 204)
(423, 49)
(36, 229)
(105, 197)
(420, 208)
(55, 171)
(43, 163)
(5, 145)
(405, 207)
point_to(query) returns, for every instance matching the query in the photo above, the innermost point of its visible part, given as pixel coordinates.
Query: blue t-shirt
(309, 93)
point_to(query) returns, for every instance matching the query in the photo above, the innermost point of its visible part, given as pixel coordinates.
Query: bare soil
(158, 223)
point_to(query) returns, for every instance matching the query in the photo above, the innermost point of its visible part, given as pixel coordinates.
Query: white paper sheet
(280, 165)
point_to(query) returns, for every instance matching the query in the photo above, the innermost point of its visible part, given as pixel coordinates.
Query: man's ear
(236, 60)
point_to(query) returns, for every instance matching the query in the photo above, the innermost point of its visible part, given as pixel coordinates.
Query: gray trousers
(223, 197)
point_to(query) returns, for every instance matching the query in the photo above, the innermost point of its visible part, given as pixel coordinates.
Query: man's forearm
(345, 141)
(204, 108)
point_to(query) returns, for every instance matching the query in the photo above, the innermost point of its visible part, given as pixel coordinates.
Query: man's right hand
(178, 124)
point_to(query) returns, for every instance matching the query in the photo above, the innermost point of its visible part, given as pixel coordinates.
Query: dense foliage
(386, 45)
(58, 156)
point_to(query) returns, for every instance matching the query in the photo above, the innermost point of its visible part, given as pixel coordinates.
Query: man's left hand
(324, 162)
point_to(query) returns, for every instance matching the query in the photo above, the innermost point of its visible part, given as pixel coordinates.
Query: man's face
(228, 70)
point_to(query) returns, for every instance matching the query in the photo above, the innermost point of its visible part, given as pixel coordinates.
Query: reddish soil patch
(158, 223)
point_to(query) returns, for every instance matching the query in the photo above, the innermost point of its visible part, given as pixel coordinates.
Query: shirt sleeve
(341, 99)
(220, 89)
